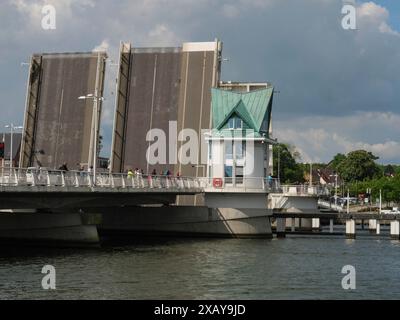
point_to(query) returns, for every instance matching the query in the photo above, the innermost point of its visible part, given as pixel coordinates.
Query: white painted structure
(395, 229)
(350, 229)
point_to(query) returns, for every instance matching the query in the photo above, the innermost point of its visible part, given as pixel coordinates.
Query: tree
(359, 165)
(337, 160)
(389, 170)
(285, 162)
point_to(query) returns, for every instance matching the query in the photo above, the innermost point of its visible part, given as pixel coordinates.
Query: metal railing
(241, 184)
(59, 178)
(304, 190)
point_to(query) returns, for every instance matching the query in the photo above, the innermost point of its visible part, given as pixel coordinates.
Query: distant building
(324, 176)
(5, 138)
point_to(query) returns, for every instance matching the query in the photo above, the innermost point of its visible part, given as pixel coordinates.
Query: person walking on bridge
(63, 167)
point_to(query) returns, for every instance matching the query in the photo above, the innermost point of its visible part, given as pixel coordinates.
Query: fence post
(33, 178)
(76, 179)
(62, 178)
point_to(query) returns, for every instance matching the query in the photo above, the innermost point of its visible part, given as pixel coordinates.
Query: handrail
(59, 178)
(241, 184)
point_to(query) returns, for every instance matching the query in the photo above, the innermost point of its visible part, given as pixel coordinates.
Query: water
(298, 267)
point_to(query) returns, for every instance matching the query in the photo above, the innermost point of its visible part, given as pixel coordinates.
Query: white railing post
(76, 179)
(15, 177)
(34, 179)
(89, 179)
(133, 181)
(123, 183)
(112, 180)
(62, 179)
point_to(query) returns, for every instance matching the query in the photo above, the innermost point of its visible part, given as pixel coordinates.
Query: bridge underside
(68, 199)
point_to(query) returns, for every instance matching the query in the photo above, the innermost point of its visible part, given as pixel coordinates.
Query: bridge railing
(59, 178)
(304, 190)
(263, 184)
(241, 184)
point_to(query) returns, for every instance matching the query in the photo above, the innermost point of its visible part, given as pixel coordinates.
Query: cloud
(162, 35)
(319, 138)
(373, 15)
(103, 46)
(230, 11)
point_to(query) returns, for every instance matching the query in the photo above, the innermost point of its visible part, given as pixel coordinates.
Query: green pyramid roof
(252, 107)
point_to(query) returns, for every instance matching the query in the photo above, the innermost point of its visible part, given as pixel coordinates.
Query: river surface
(298, 267)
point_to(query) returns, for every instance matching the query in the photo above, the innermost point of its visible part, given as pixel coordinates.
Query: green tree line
(358, 170)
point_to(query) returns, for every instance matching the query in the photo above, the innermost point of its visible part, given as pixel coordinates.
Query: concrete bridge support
(49, 229)
(316, 224)
(189, 221)
(350, 229)
(281, 227)
(395, 230)
(372, 226)
(330, 225)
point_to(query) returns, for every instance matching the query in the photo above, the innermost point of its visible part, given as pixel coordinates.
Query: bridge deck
(333, 215)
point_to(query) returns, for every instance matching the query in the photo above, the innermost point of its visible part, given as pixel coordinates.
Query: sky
(337, 90)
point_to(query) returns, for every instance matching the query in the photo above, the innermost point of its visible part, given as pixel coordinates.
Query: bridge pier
(315, 224)
(372, 225)
(350, 229)
(281, 227)
(330, 225)
(395, 230)
(50, 229)
(293, 228)
(378, 227)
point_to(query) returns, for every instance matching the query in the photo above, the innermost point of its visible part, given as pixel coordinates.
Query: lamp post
(336, 182)
(96, 99)
(12, 128)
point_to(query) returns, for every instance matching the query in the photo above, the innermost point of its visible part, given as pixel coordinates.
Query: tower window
(235, 123)
(228, 149)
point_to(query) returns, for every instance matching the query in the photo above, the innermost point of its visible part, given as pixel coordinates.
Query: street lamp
(12, 128)
(336, 182)
(96, 99)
